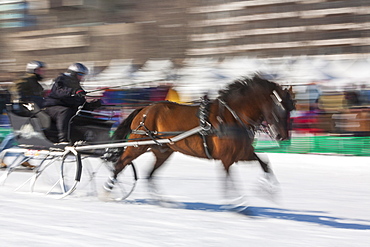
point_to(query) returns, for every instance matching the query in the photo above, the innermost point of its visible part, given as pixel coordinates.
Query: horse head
(276, 112)
(256, 100)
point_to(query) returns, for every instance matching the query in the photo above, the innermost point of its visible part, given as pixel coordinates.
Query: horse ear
(290, 91)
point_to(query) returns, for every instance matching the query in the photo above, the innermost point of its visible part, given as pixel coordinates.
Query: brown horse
(228, 125)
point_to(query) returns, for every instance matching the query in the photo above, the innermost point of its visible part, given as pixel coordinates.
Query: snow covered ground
(325, 201)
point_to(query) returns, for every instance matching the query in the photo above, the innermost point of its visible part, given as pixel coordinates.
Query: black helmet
(78, 68)
(33, 65)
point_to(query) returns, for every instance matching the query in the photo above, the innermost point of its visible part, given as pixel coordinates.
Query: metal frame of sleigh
(62, 165)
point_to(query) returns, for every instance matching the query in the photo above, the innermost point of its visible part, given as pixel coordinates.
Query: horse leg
(126, 158)
(233, 198)
(268, 182)
(229, 183)
(161, 156)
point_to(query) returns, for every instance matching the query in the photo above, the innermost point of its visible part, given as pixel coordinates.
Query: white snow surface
(324, 201)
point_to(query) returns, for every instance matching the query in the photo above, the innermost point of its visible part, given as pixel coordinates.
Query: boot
(28, 165)
(62, 141)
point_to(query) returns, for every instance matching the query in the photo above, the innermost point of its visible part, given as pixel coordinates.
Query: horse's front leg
(234, 199)
(268, 184)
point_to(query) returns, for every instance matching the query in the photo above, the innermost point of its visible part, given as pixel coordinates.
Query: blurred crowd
(327, 109)
(327, 98)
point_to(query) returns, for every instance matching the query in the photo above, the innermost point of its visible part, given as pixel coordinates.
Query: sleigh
(89, 137)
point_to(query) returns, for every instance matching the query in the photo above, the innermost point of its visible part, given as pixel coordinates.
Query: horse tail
(124, 129)
(121, 133)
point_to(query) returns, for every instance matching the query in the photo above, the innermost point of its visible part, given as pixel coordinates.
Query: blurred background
(146, 51)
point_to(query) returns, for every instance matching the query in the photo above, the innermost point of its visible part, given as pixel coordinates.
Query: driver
(65, 97)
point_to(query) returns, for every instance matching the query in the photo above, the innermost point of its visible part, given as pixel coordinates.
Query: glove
(90, 106)
(80, 93)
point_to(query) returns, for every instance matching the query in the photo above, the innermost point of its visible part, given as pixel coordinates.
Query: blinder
(278, 110)
(278, 114)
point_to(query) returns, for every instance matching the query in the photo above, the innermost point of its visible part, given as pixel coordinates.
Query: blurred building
(64, 31)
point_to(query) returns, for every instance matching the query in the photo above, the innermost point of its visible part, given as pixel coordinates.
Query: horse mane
(245, 85)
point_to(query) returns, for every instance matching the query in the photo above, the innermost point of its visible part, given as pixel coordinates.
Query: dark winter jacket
(63, 92)
(28, 88)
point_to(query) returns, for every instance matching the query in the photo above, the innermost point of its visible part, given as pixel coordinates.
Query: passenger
(65, 97)
(28, 87)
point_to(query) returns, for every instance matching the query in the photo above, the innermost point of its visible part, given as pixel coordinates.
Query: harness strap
(206, 149)
(205, 124)
(151, 134)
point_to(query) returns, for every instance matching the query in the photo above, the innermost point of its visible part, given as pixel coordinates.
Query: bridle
(278, 110)
(269, 128)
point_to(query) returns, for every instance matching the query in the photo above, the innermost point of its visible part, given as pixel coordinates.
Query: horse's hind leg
(126, 158)
(161, 156)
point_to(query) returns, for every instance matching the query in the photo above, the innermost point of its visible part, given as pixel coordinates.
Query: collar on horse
(208, 129)
(206, 126)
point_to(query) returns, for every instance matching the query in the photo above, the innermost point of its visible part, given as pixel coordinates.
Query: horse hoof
(268, 189)
(105, 195)
(236, 204)
(234, 208)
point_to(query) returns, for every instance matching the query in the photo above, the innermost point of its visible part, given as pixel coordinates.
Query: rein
(237, 118)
